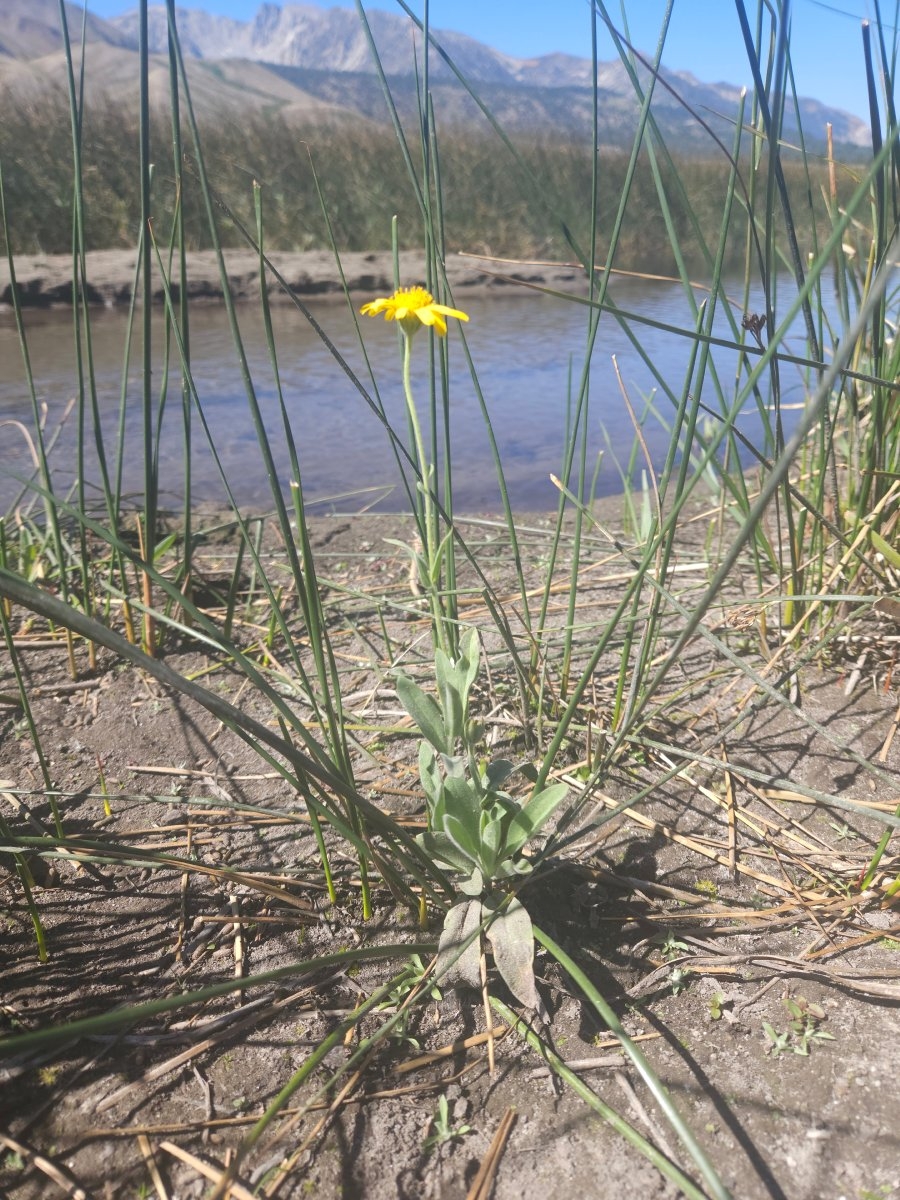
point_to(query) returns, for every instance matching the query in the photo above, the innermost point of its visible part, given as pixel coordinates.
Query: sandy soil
(765, 914)
(46, 280)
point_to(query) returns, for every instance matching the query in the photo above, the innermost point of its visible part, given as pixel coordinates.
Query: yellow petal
(449, 312)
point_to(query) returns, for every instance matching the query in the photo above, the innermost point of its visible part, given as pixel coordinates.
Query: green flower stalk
(414, 308)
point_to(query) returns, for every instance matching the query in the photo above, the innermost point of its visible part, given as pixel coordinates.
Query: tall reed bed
(811, 527)
(489, 204)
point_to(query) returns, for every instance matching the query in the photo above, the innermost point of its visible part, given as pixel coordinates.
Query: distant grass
(488, 203)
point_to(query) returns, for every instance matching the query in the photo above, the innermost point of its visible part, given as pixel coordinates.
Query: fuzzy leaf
(497, 772)
(451, 701)
(432, 784)
(454, 681)
(458, 964)
(442, 850)
(425, 711)
(463, 802)
(474, 885)
(454, 765)
(512, 940)
(468, 661)
(463, 837)
(460, 672)
(533, 816)
(491, 842)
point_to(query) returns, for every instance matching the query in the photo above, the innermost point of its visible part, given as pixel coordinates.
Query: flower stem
(428, 521)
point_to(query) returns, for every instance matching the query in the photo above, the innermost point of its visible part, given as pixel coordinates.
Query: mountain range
(314, 65)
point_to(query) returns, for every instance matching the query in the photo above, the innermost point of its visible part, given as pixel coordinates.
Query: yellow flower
(413, 307)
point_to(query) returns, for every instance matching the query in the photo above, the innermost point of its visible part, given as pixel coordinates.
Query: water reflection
(528, 352)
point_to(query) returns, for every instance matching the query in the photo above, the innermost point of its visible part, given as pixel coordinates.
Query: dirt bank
(698, 938)
(46, 280)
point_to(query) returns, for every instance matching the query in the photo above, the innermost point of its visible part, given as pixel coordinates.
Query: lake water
(528, 351)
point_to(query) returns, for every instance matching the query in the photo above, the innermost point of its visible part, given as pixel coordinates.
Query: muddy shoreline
(45, 281)
(210, 871)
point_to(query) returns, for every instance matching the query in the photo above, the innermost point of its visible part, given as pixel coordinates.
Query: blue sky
(703, 36)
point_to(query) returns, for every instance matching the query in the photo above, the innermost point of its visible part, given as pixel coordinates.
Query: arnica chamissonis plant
(413, 307)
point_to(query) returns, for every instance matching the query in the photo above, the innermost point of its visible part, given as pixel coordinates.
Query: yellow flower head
(413, 307)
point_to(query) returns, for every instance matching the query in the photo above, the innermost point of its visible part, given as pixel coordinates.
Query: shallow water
(528, 352)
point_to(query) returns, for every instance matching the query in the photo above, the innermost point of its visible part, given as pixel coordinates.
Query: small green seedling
(716, 1006)
(670, 946)
(12, 1161)
(679, 979)
(708, 888)
(802, 1031)
(778, 1043)
(880, 1193)
(443, 1132)
(415, 974)
(805, 1019)
(412, 979)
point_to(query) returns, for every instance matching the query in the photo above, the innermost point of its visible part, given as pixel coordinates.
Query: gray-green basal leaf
(512, 940)
(425, 711)
(459, 948)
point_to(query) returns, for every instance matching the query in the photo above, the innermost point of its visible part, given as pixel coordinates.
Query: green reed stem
(330, 1042)
(633, 1051)
(26, 879)
(24, 700)
(105, 1023)
(666, 1168)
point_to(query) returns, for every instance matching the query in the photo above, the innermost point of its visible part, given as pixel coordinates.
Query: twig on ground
(484, 1179)
(212, 1173)
(46, 1167)
(150, 1162)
